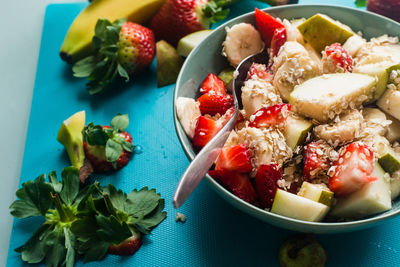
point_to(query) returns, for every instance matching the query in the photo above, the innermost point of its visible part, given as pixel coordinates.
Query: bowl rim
(241, 204)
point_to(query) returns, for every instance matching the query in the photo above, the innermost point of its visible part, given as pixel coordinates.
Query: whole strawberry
(119, 49)
(178, 18)
(108, 148)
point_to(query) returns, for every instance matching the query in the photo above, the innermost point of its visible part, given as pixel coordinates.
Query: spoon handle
(200, 165)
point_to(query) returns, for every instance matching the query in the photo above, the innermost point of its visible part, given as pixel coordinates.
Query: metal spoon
(200, 165)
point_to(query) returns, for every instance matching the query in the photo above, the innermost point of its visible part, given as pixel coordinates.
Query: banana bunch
(77, 42)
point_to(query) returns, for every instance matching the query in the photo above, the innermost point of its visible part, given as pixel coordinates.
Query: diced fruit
(315, 160)
(214, 84)
(321, 31)
(378, 71)
(297, 207)
(234, 158)
(387, 158)
(128, 246)
(188, 111)
(393, 130)
(352, 170)
(205, 130)
(270, 116)
(390, 103)
(226, 75)
(260, 70)
(213, 103)
(395, 185)
(238, 183)
(296, 131)
(242, 40)
(302, 251)
(267, 25)
(267, 183)
(278, 40)
(372, 198)
(336, 59)
(354, 44)
(169, 63)
(323, 97)
(316, 192)
(189, 42)
(70, 135)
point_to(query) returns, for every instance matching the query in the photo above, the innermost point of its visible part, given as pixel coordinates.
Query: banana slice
(188, 112)
(242, 40)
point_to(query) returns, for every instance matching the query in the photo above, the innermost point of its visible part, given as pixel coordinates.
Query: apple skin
(388, 8)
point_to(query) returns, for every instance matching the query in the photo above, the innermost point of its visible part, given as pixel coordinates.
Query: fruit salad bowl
(207, 58)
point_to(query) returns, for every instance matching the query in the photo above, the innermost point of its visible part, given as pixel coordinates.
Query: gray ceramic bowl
(206, 58)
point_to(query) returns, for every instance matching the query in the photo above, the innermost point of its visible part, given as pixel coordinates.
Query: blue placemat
(215, 233)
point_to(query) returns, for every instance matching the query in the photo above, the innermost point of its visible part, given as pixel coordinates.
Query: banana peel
(77, 42)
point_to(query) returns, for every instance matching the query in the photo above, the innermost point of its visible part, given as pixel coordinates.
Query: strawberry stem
(59, 207)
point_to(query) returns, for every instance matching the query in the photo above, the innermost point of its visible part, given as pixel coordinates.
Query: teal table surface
(215, 234)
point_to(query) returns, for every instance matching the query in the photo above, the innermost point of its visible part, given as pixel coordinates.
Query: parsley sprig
(81, 221)
(97, 135)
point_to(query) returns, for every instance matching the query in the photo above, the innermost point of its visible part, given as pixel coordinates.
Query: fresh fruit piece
(321, 31)
(393, 129)
(354, 44)
(121, 49)
(70, 135)
(270, 116)
(213, 103)
(388, 8)
(296, 130)
(169, 63)
(190, 41)
(260, 70)
(341, 90)
(387, 158)
(336, 59)
(315, 160)
(213, 83)
(78, 40)
(205, 130)
(267, 25)
(278, 39)
(267, 183)
(297, 207)
(108, 148)
(352, 170)
(390, 103)
(302, 251)
(226, 75)
(372, 198)
(235, 158)
(238, 183)
(395, 185)
(316, 192)
(188, 111)
(178, 18)
(241, 41)
(127, 247)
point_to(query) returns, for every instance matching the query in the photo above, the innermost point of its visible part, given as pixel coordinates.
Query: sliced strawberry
(205, 130)
(234, 158)
(315, 161)
(127, 247)
(352, 170)
(336, 59)
(273, 115)
(97, 155)
(238, 183)
(266, 25)
(260, 70)
(267, 183)
(278, 40)
(212, 103)
(213, 83)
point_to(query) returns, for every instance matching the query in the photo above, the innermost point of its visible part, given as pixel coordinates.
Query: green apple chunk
(190, 41)
(296, 130)
(372, 198)
(226, 75)
(316, 192)
(390, 103)
(388, 159)
(395, 185)
(169, 63)
(323, 97)
(321, 31)
(70, 135)
(297, 207)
